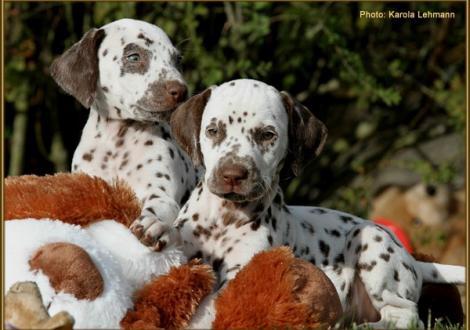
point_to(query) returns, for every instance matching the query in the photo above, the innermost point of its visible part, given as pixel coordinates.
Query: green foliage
(379, 85)
(430, 173)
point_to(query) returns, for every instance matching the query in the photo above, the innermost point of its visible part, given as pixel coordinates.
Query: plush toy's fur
(69, 269)
(34, 251)
(170, 300)
(24, 309)
(73, 198)
(278, 290)
(25, 237)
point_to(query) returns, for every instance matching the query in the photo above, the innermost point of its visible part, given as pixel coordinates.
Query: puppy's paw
(153, 233)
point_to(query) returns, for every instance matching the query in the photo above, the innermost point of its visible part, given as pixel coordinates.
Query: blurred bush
(379, 85)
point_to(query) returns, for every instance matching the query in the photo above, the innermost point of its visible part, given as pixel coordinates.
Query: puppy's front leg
(154, 226)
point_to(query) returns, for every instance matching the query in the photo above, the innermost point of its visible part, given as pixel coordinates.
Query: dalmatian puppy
(246, 133)
(127, 73)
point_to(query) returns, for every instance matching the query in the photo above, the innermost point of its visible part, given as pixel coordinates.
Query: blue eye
(133, 57)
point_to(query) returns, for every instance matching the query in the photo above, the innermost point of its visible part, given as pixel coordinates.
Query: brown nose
(176, 90)
(234, 174)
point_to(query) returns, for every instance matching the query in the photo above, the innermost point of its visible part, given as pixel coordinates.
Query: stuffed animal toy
(84, 263)
(431, 216)
(90, 265)
(25, 310)
(277, 290)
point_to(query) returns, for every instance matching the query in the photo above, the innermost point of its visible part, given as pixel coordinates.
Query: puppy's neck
(101, 120)
(107, 111)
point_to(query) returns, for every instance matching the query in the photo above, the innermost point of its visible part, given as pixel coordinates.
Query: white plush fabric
(123, 263)
(138, 263)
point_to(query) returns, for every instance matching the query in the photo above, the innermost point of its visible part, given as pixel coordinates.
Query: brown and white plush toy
(69, 234)
(87, 263)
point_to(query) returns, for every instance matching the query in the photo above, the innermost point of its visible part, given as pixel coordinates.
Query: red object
(399, 233)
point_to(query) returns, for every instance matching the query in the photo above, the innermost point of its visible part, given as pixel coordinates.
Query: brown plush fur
(24, 309)
(74, 198)
(70, 269)
(277, 290)
(169, 301)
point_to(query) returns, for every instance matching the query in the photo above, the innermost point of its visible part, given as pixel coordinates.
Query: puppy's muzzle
(236, 179)
(163, 96)
(233, 176)
(176, 92)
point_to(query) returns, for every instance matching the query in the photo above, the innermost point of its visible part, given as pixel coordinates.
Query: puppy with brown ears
(246, 133)
(127, 73)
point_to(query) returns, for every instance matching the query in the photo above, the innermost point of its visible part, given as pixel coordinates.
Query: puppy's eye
(267, 135)
(211, 131)
(133, 57)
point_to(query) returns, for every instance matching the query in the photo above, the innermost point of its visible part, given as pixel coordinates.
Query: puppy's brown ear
(186, 124)
(307, 134)
(76, 71)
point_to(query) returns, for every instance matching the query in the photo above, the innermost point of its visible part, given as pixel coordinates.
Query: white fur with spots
(227, 226)
(127, 135)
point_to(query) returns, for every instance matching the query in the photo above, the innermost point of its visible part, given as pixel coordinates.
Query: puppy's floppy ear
(307, 134)
(186, 124)
(77, 71)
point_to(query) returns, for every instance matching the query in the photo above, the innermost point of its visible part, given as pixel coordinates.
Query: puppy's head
(128, 68)
(245, 132)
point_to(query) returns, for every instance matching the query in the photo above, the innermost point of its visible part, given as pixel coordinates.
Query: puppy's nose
(176, 90)
(234, 174)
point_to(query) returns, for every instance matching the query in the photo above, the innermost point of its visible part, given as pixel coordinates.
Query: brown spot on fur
(229, 218)
(88, 157)
(119, 143)
(139, 67)
(385, 256)
(367, 267)
(69, 269)
(147, 40)
(122, 130)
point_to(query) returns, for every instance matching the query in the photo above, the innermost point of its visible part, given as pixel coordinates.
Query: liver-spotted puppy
(127, 74)
(246, 133)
